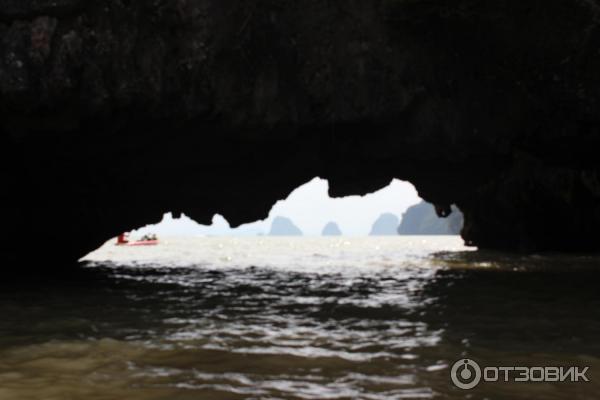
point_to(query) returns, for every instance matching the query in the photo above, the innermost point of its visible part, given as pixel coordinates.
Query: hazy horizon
(310, 208)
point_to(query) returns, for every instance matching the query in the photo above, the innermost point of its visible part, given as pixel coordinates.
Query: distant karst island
(283, 226)
(421, 219)
(385, 225)
(331, 229)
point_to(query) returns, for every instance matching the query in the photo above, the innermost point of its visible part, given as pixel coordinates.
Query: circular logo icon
(465, 374)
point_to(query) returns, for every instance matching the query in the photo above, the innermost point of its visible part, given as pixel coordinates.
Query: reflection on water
(299, 318)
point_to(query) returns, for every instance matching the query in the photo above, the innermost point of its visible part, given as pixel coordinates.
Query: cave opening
(395, 210)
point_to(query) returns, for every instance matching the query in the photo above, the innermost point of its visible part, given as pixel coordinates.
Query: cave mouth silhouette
(466, 105)
(310, 211)
(75, 196)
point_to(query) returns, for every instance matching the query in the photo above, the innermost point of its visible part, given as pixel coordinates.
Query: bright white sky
(310, 208)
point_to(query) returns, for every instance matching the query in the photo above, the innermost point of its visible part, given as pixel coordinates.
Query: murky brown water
(279, 318)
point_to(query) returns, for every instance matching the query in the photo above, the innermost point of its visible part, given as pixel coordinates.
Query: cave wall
(113, 111)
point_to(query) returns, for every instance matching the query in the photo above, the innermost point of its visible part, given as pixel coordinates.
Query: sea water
(300, 318)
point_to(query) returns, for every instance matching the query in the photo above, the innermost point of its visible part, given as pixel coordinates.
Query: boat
(139, 243)
(147, 240)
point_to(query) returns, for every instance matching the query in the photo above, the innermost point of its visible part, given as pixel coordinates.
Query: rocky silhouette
(385, 225)
(421, 219)
(331, 229)
(283, 226)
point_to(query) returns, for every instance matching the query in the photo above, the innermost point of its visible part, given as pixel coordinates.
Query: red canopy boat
(139, 243)
(123, 240)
